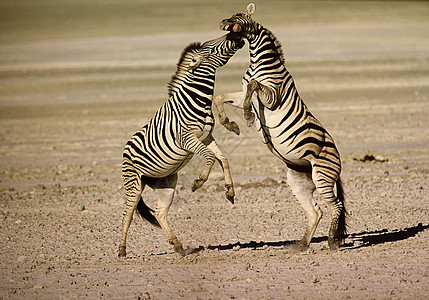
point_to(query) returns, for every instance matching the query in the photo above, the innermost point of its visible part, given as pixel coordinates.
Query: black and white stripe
(180, 128)
(285, 124)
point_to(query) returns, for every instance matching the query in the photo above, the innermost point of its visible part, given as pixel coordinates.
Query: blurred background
(77, 78)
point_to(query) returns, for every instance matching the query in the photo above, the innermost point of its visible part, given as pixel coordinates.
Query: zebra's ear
(251, 9)
(195, 61)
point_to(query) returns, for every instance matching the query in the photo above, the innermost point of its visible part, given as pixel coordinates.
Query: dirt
(68, 106)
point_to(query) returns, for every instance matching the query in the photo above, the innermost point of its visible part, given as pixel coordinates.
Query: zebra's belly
(165, 167)
(153, 158)
(270, 128)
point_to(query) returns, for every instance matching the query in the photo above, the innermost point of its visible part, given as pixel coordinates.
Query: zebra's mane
(174, 79)
(277, 46)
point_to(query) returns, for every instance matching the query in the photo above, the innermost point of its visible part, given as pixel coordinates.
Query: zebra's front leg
(252, 86)
(204, 175)
(234, 99)
(191, 143)
(267, 95)
(223, 161)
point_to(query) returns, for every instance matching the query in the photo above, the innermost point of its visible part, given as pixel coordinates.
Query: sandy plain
(76, 81)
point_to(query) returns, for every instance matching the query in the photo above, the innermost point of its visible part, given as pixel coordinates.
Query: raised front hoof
(232, 126)
(230, 194)
(298, 248)
(197, 184)
(250, 118)
(122, 252)
(230, 198)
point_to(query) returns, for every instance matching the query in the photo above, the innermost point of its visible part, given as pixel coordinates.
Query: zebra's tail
(342, 222)
(147, 213)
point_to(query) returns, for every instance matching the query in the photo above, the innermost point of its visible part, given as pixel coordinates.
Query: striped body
(271, 100)
(180, 128)
(157, 149)
(288, 128)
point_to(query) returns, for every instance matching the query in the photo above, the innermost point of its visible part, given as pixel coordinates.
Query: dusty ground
(69, 103)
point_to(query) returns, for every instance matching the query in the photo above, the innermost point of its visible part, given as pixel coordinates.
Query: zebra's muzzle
(230, 27)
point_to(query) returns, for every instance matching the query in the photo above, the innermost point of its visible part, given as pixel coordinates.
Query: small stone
(38, 286)
(40, 187)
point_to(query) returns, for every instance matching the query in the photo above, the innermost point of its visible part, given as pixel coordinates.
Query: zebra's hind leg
(133, 188)
(165, 189)
(337, 230)
(303, 187)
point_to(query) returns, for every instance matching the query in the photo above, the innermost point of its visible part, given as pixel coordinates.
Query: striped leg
(133, 188)
(325, 185)
(223, 161)
(193, 144)
(267, 95)
(303, 187)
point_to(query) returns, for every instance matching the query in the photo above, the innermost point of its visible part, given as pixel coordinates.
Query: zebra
(287, 127)
(180, 128)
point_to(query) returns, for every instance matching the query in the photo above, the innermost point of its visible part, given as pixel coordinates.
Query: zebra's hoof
(250, 118)
(334, 246)
(122, 253)
(297, 248)
(187, 251)
(230, 198)
(198, 183)
(179, 249)
(229, 194)
(232, 126)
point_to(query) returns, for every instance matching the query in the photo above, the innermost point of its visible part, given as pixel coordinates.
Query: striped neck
(263, 46)
(196, 88)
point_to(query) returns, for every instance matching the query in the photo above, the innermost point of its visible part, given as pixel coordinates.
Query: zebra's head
(211, 54)
(241, 23)
(202, 59)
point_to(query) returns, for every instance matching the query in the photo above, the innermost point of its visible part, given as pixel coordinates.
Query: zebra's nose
(224, 24)
(228, 26)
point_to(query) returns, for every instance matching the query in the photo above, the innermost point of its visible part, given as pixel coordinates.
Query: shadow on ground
(370, 238)
(355, 240)
(358, 240)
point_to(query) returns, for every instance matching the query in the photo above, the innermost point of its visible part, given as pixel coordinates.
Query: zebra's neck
(264, 46)
(196, 89)
(267, 64)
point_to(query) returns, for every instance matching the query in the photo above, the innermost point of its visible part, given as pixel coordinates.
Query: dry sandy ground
(68, 107)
